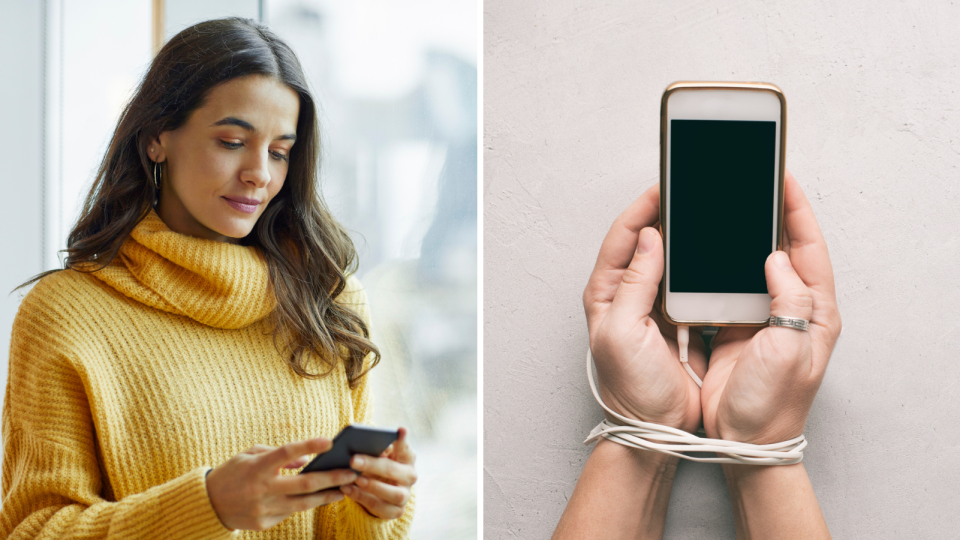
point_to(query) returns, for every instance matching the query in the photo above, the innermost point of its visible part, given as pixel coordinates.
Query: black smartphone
(353, 439)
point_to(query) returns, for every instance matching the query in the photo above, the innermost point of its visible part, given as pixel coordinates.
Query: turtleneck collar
(214, 283)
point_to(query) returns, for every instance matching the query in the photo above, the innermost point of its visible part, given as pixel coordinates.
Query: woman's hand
(761, 383)
(636, 354)
(383, 487)
(248, 492)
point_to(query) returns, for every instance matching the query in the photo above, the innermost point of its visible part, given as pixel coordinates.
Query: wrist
(213, 495)
(641, 465)
(688, 420)
(771, 432)
(774, 501)
(745, 476)
(621, 493)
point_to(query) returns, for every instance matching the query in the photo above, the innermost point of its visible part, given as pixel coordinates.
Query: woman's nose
(257, 170)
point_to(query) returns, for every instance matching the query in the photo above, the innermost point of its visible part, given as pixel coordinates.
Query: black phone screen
(722, 177)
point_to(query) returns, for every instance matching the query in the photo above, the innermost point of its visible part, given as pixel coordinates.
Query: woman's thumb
(789, 295)
(641, 280)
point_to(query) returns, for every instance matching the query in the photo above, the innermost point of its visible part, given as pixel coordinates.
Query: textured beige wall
(571, 104)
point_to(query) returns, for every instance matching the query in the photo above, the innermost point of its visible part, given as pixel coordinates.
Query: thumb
(401, 451)
(641, 280)
(790, 297)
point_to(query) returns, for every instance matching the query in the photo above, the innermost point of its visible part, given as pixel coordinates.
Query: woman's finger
(258, 449)
(302, 503)
(374, 505)
(808, 249)
(297, 463)
(617, 251)
(275, 460)
(640, 281)
(400, 451)
(809, 256)
(789, 296)
(384, 468)
(395, 495)
(312, 482)
(262, 448)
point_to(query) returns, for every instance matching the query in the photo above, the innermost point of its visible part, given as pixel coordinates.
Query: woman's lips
(246, 208)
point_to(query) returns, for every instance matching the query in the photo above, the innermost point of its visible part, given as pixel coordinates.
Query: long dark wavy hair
(309, 255)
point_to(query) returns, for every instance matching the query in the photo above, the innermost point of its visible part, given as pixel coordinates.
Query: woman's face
(233, 148)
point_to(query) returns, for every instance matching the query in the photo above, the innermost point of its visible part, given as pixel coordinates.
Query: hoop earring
(156, 174)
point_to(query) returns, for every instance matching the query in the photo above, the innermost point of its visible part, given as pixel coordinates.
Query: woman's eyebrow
(233, 121)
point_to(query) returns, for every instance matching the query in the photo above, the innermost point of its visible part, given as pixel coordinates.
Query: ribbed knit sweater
(128, 384)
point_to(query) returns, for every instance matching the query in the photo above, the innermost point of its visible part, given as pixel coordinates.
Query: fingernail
(782, 261)
(358, 462)
(348, 489)
(361, 481)
(647, 241)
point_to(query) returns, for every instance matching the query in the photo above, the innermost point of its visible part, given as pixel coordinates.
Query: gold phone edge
(713, 85)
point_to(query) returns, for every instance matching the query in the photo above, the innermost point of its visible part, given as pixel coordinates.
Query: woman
(206, 316)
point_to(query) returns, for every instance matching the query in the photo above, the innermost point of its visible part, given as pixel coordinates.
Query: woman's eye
(278, 156)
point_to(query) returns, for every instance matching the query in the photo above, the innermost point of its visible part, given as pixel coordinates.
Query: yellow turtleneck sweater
(127, 385)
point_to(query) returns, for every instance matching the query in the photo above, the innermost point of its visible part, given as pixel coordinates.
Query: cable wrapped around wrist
(668, 440)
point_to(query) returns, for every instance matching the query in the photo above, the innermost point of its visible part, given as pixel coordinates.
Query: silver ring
(789, 322)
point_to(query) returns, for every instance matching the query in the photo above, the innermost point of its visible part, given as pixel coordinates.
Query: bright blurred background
(397, 87)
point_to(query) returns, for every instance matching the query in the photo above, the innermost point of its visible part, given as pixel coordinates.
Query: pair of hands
(761, 383)
(248, 492)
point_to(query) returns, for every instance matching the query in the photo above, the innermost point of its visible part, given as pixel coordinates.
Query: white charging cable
(683, 340)
(668, 440)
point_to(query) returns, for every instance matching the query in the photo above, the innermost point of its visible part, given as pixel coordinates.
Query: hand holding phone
(635, 352)
(353, 439)
(384, 485)
(248, 491)
(762, 382)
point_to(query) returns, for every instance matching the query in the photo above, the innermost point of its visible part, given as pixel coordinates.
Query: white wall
(571, 102)
(63, 87)
(21, 138)
(179, 14)
(105, 52)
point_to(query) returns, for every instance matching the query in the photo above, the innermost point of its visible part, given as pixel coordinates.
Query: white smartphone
(721, 199)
